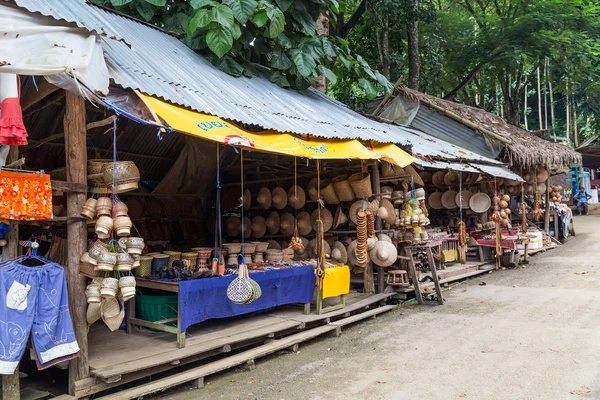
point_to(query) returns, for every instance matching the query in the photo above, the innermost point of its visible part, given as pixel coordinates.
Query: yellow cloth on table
(336, 281)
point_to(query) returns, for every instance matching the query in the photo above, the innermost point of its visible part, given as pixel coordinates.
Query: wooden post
(76, 158)
(547, 211)
(10, 383)
(378, 224)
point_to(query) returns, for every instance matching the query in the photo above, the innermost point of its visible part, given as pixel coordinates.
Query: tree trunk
(575, 128)
(320, 83)
(551, 100)
(546, 93)
(525, 108)
(414, 58)
(568, 114)
(385, 47)
(539, 96)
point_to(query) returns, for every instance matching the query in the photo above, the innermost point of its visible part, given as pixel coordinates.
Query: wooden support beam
(10, 383)
(76, 159)
(54, 99)
(44, 89)
(378, 224)
(91, 125)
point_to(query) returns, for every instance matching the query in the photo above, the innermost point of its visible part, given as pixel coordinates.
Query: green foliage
(280, 34)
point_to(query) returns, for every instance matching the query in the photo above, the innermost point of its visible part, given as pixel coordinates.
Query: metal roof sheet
(144, 58)
(498, 171)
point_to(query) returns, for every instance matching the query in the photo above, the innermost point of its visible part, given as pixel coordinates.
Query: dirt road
(529, 333)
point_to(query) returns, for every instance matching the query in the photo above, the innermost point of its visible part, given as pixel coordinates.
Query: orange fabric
(25, 196)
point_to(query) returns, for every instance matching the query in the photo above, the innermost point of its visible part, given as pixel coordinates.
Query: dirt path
(530, 333)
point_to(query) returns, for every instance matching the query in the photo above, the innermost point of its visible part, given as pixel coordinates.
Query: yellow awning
(391, 153)
(218, 130)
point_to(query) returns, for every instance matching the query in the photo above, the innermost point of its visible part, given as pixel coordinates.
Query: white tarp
(32, 44)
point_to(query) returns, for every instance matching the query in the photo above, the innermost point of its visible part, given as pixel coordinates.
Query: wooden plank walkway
(197, 374)
(117, 358)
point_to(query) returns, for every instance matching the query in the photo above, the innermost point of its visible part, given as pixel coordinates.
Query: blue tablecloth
(202, 299)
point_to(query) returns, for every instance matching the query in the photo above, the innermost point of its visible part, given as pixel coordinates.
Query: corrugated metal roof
(442, 127)
(447, 165)
(498, 171)
(156, 63)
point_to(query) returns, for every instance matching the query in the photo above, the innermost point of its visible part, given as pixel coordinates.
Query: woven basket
(92, 293)
(94, 167)
(173, 256)
(88, 210)
(328, 192)
(361, 185)
(110, 287)
(342, 188)
(106, 261)
(190, 259)
(126, 172)
(145, 268)
(97, 248)
(87, 266)
(104, 206)
(127, 286)
(156, 308)
(104, 226)
(113, 312)
(124, 262)
(159, 261)
(122, 225)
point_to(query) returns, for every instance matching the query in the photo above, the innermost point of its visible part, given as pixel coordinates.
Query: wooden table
(505, 244)
(132, 321)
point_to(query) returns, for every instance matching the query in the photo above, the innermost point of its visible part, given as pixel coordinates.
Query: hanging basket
(240, 290)
(342, 187)
(361, 184)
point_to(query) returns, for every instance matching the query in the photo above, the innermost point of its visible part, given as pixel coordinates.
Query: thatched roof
(521, 149)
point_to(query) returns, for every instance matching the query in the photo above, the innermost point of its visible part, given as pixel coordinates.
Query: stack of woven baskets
(102, 173)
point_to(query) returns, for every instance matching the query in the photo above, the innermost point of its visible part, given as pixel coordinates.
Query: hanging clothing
(25, 196)
(34, 301)
(12, 129)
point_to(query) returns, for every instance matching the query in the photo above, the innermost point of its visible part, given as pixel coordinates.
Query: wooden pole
(575, 126)
(547, 212)
(10, 383)
(76, 158)
(378, 225)
(546, 93)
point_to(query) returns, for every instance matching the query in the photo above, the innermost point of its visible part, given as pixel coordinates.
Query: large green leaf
(223, 15)
(312, 45)
(279, 60)
(202, 18)
(242, 9)
(144, 9)
(236, 31)
(196, 41)
(331, 77)
(284, 4)
(383, 81)
(279, 78)
(277, 22)
(284, 41)
(157, 3)
(347, 63)
(260, 19)
(118, 3)
(229, 65)
(219, 41)
(368, 88)
(196, 4)
(307, 22)
(303, 61)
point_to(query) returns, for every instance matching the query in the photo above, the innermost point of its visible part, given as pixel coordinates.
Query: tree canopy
(534, 62)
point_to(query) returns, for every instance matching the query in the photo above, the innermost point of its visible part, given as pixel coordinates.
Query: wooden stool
(397, 278)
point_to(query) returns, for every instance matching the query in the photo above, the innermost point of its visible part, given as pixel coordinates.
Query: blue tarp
(202, 299)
